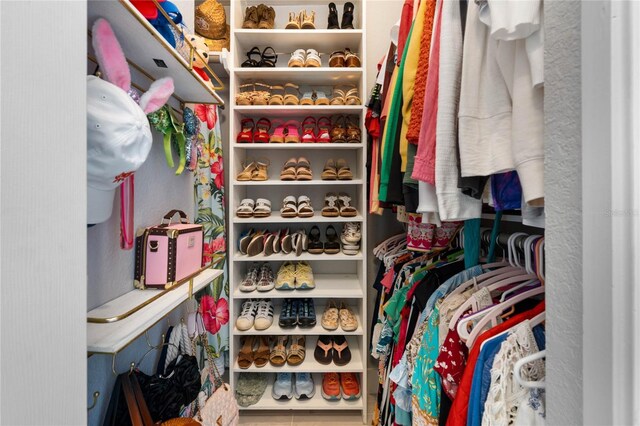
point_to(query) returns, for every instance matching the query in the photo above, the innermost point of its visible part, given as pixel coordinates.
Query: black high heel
(268, 60)
(347, 16)
(333, 17)
(250, 62)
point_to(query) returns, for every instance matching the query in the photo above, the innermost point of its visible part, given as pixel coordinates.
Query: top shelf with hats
(152, 55)
(296, 16)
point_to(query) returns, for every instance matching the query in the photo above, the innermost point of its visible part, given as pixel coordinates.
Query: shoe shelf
(310, 365)
(340, 277)
(317, 402)
(317, 218)
(334, 286)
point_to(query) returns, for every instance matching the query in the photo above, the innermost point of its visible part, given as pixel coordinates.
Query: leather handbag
(168, 253)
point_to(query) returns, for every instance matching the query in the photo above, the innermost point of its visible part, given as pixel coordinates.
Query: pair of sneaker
(350, 237)
(343, 385)
(259, 277)
(288, 385)
(295, 276)
(300, 312)
(255, 313)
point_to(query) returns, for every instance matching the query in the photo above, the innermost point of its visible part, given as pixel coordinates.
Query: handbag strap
(138, 410)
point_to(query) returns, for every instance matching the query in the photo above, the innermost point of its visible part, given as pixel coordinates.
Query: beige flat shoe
(348, 321)
(330, 316)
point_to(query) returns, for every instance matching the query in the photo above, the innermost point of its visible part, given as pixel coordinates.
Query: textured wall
(563, 174)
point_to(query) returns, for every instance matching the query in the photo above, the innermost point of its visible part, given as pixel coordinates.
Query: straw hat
(216, 45)
(211, 20)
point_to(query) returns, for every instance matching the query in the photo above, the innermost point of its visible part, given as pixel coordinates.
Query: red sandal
(324, 128)
(246, 134)
(261, 134)
(308, 130)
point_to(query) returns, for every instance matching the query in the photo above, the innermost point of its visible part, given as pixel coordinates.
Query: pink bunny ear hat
(118, 132)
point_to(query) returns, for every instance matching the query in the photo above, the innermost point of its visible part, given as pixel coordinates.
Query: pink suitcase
(168, 253)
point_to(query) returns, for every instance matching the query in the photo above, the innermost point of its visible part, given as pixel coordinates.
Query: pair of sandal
(296, 169)
(254, 132)
(286, 133)
(350, 97)
(253, 243)
(338, 206)
(262, 17)
(301, 58)
(336, 170)
(248, 208)
(259, 356)
(343, 316)
(316, 246)
(253, 96)
(289, 350)
(344, 58)
(267, 58)
(334, 349)
(296, 208)
(254, 171)
(346, 130)
(301, 20)
(316, 131)
(285, 95)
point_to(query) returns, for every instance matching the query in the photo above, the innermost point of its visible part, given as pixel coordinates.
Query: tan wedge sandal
(244, 96)
(261, 97)
(261, 173)
(308, 21)
(247, 171)
(303, 171)
(245, 356)
(292, 94)
(330, 171)
(277, 95)
(288, 172)
(344, 172)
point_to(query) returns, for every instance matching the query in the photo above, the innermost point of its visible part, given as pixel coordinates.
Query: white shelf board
(313, 76)
(290, 40)
(277, 257)
(112, 337)
(299, 110)
(271, 182)
(297, 146)
(338, 286)
(316, 403)
(317, 218)
(143, 45)
(310, 365)
(316, 330)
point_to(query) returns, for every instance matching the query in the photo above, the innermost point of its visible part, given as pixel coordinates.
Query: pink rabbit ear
(110, 56)
(157, 95)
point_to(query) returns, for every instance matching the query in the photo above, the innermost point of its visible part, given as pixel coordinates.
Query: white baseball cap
(118, 142)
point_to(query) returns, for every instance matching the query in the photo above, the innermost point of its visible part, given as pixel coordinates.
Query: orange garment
(421, 76)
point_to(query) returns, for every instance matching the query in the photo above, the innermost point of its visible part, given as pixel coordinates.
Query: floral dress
(425, 382)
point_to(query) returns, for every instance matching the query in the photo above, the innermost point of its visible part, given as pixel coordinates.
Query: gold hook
(96, 394)
(113, 363)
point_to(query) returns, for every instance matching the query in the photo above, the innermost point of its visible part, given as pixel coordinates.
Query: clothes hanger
(517, 371)
(528, 261)
(492, 316)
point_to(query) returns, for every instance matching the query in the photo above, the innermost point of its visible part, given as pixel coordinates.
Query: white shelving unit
(338, 277)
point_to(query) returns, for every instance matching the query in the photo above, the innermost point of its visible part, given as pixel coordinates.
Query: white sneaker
(350, 237)
(247, 315)
(264, 315)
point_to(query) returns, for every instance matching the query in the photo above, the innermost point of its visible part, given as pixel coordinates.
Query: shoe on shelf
(307, 99)
(338, 130)
(250, 281)
(306, 313)
(278, 356)
(323, 353)
(261, 355)
(244, 240)
(304, 277)
(344, 172)
(269, 58)
(278, 135)
(331, 207)
(251, 18)
(330, 171)
(262, 208)
(286, 278)
(350, 386)
(261, 133)
(288, 313)
(289, 207)
(309, 129)
(297, 350)
(244, 96)
(246, 134)
(347, 16)
(350, 238)
(304, 387)
(305, 209)
(299, 242)
(308, 21)
(344, 204)
(264, 315)
(351, 59)
(312, 59)
(256, 245)
(289, 173)
(336, 60)
(303, 169)
(294, 21)
(330, 316)
(248, 169)
(291, 94)
(321, 98)
(261, 172)
(246, 354)
(332, 246)
(245, 209)
(283, 386)
(341, 351)
(247, 315)
(267, 18)
(315, 246)
(265, 276)
(332, 23)
(250, 62)
(348, 320)
(331, 387)
(298, 58)
(285, 241)
(261, 97)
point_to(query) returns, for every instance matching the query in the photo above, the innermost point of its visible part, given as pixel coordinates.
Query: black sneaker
(307, 314)
(288, 318)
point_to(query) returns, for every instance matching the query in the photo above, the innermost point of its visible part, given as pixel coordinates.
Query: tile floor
(306, 418)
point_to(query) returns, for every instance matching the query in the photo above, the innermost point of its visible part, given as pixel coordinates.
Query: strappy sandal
(245, 97)
(312, 59)
(338, 132)
(261, 97)
(351, 97)
(341, 351)
(245, 209)
(344, 172)
(262, 208)
(344, 203)
(337, 97)
(330, 171)
(247, 171)
(321, 98)
(347, 16)
(289, 170)
(353, 130)
(337, 60)
(308, 21)
(261, 172)
(315, 246)
(261, 356)
(246, 134)
(291, 94)
(297, 59)
(277, 95)
(308, 130)
(250, 62)
(250, 18)
(348, 320)
(303, 170)
(304, 206)
(297, 351)
(292, 135)
(268, 60)
(278, 134)
(351, 59)
(307, 98)
(294, 22)
(278, 354)
(289, 207)
(323, 353)
(261, 134)
(324, 129)
(246, 355)
(267, 18)
(331, 207)
(332, 246)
